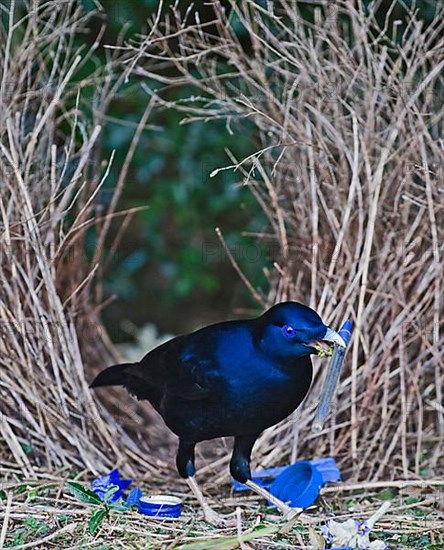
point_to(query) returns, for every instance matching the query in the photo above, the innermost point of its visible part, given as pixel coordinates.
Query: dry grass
(42, 514)
(350, 176)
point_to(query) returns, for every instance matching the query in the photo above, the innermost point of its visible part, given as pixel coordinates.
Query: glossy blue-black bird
(235, 378)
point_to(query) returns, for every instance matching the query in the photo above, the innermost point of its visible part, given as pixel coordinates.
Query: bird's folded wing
(174, 370)
(192, 379)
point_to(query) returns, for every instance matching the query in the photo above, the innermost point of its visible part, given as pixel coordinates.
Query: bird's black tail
(112, 376)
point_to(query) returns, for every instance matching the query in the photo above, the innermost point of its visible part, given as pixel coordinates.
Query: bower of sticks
(348, 170)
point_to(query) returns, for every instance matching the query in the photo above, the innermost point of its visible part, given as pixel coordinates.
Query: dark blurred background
(170, 268)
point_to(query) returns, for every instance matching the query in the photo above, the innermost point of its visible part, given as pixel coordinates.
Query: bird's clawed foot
(210, 515)
(213, 518)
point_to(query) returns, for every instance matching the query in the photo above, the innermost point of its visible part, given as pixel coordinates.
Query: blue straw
(332, 378)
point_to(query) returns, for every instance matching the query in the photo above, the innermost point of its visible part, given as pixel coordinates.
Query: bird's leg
(240, 470)
(185, 466)
(210, 515)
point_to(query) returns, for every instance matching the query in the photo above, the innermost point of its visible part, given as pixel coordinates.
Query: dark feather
(112, 376)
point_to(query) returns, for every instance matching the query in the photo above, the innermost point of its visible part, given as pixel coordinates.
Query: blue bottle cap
(160, 506)
(299, 485)
(326, 466)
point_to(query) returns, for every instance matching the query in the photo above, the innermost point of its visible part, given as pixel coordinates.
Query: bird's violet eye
(288, 331)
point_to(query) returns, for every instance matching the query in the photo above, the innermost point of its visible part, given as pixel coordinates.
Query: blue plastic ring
(160, 506)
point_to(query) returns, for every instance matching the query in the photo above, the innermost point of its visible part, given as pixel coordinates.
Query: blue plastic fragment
(101, 485)
(346, 331)
(134, 497)
(332, 378)
(328, 469)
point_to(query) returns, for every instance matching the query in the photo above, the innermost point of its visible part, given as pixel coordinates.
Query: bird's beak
(332, 336)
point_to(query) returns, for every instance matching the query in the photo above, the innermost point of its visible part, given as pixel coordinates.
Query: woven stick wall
(49, 295)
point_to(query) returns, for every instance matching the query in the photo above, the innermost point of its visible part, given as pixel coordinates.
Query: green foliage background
(170, 268)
